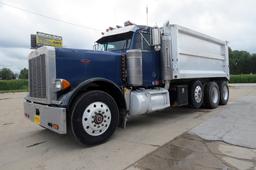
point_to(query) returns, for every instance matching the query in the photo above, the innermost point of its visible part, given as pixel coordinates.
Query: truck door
(150, 58)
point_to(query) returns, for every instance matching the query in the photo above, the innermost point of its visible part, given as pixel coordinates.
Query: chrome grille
(37, 77)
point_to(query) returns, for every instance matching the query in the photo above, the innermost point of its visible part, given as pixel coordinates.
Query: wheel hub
(198, 94)
(96, 118)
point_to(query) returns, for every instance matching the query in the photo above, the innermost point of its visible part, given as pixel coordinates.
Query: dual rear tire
(211, 95)
(224, 92)
(196, 94)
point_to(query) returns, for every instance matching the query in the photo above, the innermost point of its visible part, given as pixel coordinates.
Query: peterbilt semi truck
(132, 70)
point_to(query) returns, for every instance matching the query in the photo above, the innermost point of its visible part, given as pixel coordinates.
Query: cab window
(142, 41)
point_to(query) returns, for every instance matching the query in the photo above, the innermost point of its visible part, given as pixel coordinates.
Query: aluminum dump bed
(189, 54)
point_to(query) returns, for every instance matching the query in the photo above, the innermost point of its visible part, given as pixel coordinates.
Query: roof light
(127, 23)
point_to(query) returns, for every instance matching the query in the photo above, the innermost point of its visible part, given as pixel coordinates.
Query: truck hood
(77, 65)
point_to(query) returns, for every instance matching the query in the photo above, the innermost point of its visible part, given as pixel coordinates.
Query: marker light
(62, 84)
(55, 126)
(127, 23)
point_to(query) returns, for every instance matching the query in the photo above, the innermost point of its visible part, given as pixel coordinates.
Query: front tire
(94, 117)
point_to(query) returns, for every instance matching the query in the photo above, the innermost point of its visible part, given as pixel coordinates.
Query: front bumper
(53, 118)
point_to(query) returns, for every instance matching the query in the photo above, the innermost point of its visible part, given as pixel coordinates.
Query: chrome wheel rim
(225, 93)
(96, 118)
(215, 95)
(198, 94)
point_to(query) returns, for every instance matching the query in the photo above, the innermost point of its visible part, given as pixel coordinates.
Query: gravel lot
(24, 145)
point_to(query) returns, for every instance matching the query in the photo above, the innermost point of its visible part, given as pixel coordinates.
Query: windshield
(116, 45)
(115, 42)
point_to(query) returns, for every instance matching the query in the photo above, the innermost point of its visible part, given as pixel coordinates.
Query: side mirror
(156, 38)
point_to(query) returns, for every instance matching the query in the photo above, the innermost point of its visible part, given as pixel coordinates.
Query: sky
(231, 20)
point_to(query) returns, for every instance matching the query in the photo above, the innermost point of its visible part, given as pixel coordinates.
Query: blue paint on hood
(77, 65)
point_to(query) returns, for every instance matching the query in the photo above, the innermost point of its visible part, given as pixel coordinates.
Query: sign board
(42, 39)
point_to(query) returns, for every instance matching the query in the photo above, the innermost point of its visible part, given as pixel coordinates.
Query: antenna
(147, 13)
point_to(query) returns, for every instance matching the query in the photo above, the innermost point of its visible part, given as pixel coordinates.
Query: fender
(102, 84)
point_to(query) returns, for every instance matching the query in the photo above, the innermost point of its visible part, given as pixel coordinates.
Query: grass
(13, 91)
(13, 86)
(10, 86)
(243, 78)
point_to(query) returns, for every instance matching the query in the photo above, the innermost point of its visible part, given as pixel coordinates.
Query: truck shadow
(169, 115)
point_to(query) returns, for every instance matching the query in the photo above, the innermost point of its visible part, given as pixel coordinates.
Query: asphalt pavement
(24, 145)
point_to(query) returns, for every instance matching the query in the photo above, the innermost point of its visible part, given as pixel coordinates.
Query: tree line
(8, 74)
(240, 62)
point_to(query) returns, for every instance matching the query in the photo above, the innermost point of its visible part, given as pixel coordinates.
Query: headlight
(62, 84)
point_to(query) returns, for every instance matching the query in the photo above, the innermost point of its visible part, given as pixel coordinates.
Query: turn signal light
(65, 84)
(62, 84)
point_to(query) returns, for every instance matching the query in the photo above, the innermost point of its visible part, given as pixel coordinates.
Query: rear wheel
(224, 92)
(212, 95)
(94, 117)
(196, 94)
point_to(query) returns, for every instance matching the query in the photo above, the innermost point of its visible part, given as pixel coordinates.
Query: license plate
(37, 119)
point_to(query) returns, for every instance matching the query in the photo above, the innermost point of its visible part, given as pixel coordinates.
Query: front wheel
(94, 117)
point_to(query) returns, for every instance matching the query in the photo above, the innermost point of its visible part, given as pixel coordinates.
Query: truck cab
(134, 37)
(132, 70)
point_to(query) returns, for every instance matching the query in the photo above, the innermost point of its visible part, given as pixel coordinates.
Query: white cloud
(14, 58)
(232, 20)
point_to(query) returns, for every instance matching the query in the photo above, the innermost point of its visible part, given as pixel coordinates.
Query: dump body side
(188, 54)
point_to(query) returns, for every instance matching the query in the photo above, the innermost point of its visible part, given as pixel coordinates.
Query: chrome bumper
(53, 118)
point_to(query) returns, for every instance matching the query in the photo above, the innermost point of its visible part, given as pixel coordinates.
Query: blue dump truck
(132, 70)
